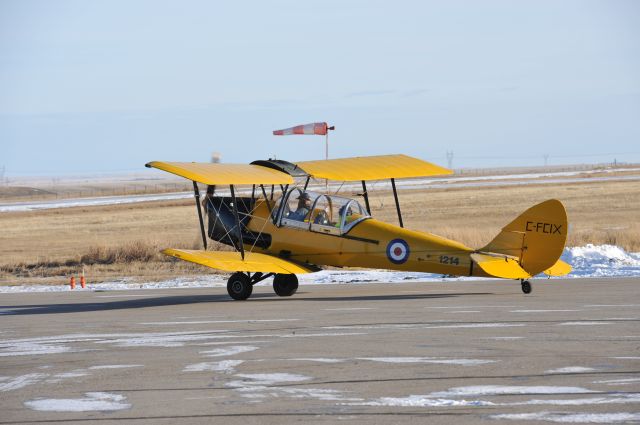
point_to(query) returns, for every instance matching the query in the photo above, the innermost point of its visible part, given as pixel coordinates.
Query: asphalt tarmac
(454, 353)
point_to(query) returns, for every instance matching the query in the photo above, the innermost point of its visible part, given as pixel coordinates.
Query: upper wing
(232, 261)
(223, 173)
(371, 168)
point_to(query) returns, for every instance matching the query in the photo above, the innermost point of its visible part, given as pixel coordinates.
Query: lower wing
(233, 262)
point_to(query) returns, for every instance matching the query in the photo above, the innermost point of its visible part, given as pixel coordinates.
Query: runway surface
(454, 352)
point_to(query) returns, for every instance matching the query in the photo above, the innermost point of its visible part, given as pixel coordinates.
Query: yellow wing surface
(232, 261)
(371, 168)
(503, 267)
(223, 174)
(560, 268)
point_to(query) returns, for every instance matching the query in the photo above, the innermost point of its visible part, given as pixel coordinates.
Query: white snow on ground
(601, 261)
(587, 261)
(229, 351)
(453, 397)
(224, 366)
(624, 381)
(92, 202)
(10, 384)
(272, 378)
(94, 401)
(318, 359)
(589, 418)
(570, 369)
(114, 366)
(435, 360)
(259, 386)
(491, 390)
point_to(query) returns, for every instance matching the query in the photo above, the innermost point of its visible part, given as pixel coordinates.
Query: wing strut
(395, 196)
(265, 197)
(366, 196)
(196, 192)
(235, 213)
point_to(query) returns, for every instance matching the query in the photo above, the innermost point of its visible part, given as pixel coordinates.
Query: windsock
(317, 128)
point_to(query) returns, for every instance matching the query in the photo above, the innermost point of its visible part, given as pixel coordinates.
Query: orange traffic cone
(72, 282)
(83, 283)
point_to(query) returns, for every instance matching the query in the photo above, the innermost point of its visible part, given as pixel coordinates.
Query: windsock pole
(326, 157)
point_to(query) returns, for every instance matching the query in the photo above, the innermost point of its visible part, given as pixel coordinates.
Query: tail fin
(536, 238)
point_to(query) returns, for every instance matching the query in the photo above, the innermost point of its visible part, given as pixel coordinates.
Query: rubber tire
(526, 287)
(285, 285)
(239, 286)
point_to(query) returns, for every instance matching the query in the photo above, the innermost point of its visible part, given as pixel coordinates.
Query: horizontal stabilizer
(560, 268)
(233, 262)
(500, 266)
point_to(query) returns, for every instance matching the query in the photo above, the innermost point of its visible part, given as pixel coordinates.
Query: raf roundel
(398, 251)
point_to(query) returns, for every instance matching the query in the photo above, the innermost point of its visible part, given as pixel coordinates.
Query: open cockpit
(317, 212)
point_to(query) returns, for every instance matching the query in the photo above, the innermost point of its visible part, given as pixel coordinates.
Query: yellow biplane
(283, 228)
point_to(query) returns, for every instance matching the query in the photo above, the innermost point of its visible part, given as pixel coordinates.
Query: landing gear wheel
(526, 287)
(285, 285)
(239, 286)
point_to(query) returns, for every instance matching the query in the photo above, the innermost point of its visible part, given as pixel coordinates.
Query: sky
(106, 86)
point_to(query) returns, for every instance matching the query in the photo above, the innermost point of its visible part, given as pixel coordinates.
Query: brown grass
(124, 241)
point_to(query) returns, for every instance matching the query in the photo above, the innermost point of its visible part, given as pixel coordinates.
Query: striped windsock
(319, 128)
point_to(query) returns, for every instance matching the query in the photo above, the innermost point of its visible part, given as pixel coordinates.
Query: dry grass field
(115, 242)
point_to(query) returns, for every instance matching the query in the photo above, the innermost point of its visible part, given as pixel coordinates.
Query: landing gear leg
(239, 286)
(285, 285)
(526, 286)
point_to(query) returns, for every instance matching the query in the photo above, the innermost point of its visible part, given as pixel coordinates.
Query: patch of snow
(31, 348)
(462, 362)
(224, 366)
(92, 202)
(73, 374)
(114, 366)
(601, 261)
(160, 339)
(624, 381)
(626, 358)
(421, 401)
(319, 360)
(570, 369)
(585, 323)
(593, 418)
(229, 351)
(21, 381)
(93, 401)
(477, 325)
(491, 390)
(609, 399)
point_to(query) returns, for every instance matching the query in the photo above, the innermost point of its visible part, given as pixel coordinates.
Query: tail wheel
(526, 287)
(285, 285)
(239, 286)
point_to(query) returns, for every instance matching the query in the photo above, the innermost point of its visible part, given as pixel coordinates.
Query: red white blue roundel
(398, 251)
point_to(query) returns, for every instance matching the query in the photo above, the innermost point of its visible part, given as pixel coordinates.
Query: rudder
(536, 238)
